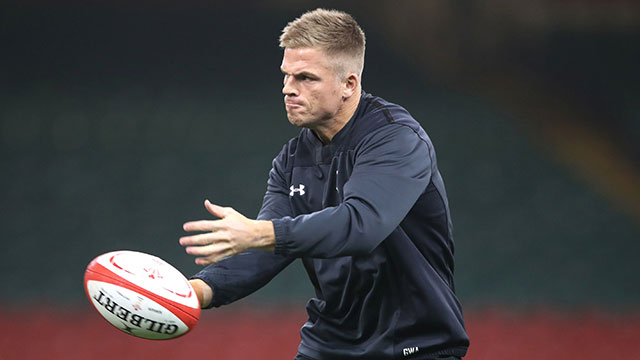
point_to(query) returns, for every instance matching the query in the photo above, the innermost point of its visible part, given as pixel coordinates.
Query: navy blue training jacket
(369, 217)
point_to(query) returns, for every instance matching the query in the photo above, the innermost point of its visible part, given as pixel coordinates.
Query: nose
(288, 87)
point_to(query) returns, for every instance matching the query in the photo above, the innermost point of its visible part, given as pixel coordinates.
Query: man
(358, 197)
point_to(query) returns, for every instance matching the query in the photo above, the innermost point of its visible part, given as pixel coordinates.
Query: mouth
(289, 104)
(292, 106)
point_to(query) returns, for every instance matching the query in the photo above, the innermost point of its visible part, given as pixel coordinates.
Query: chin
(296, 121)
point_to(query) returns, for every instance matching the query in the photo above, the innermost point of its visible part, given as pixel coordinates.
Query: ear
(350, 85)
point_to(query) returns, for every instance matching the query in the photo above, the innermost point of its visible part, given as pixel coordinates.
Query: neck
(326, 132)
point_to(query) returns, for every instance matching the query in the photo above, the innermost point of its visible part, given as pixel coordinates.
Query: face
(313, 95)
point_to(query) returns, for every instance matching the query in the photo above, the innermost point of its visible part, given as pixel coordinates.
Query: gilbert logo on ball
(141, 295)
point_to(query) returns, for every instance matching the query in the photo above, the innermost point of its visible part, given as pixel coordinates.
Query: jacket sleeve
(238, 276)
(392, 168)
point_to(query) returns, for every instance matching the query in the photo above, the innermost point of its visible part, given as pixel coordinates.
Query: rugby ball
(141, 295)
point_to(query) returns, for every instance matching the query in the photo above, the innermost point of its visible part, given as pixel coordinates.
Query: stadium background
(118, 119)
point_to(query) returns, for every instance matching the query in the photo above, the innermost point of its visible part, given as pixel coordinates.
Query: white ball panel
(134, 313)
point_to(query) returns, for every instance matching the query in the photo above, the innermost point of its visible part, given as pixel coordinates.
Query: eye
(306, 78)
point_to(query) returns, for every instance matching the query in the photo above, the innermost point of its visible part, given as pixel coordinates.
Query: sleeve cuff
(282, 246)
(203, 276)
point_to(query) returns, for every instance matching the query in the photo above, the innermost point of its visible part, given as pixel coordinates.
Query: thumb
(215, 210)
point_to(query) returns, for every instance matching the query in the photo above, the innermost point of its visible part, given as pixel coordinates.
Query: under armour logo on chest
(299, 190)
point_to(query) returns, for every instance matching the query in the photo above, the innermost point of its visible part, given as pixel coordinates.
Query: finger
(200, 239)
(202, 225)
(207, 250)
(213, 258)
(210, 254)
(204, 261)
(215, 210)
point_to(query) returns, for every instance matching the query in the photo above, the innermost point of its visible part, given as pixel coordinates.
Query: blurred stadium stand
(118, 120)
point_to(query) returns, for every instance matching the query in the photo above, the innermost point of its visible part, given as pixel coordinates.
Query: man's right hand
(203, 291)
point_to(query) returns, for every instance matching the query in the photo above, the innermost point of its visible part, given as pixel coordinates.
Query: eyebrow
(302, 73)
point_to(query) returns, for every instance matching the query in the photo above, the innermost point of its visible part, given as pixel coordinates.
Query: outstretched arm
(392, 169)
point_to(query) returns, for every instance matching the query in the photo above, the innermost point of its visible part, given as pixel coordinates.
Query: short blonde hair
(335, 32)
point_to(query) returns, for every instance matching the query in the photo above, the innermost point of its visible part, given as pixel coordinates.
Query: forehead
(304, 59)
